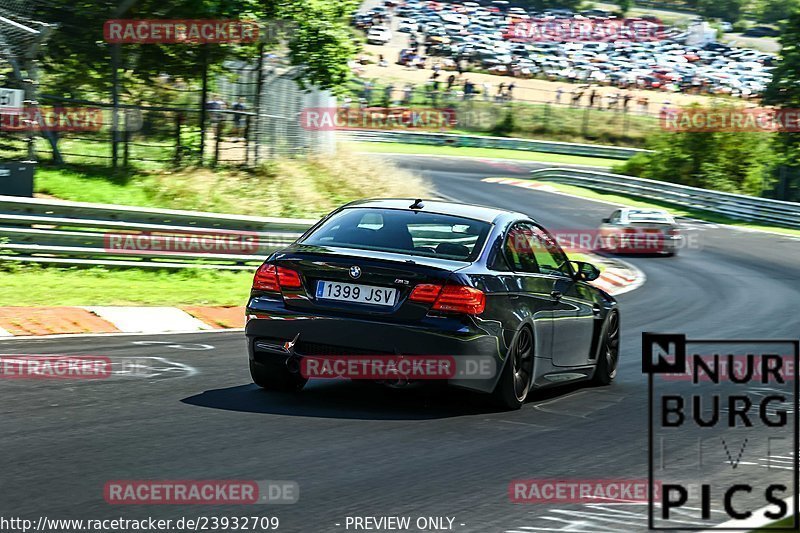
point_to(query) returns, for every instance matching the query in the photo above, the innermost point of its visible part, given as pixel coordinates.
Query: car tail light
(450, 298)
(289, 278)
(266, 279)
(460, 299)
(629, 230)
(674, 231)
(425, 293)
(272, 278)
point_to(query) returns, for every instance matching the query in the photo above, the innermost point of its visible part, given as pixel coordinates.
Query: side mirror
(606, 220)
(585, 271)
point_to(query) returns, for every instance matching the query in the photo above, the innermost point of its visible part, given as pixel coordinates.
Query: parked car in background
(379, 35)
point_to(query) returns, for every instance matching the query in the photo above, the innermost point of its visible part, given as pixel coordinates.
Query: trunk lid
(370, 271)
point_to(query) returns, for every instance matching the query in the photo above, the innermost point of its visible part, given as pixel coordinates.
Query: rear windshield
(400, 231)
(649, 216)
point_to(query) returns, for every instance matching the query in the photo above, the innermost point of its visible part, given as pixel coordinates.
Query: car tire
(515, 381)
(608, 358)
(275, 377)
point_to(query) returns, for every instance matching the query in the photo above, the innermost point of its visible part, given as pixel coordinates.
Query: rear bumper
(270, 325)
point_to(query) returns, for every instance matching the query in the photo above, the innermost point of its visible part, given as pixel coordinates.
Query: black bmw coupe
(399, 278)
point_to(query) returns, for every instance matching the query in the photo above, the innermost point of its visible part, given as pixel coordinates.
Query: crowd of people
(231, 119)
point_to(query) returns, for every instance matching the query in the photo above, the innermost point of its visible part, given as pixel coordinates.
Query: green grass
(489, 153)
(785, 523)
(301, 188)
(632, 201)
(295, 188)
(31, 285)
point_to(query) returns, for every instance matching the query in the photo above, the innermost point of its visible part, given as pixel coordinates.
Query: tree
(77, 60)
(771, 11)
(624, 5)
(784, 89)
(730, 10)
(724, 161)
(784, 93)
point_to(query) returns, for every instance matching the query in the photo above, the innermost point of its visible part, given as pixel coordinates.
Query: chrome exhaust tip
(293, 364)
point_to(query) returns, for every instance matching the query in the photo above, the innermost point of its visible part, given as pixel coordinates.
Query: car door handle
(513, 296)
(556, 295)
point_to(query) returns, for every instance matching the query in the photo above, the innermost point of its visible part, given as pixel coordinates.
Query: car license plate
(351, 292)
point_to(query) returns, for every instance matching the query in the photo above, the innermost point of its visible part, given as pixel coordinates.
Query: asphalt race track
(362, 450)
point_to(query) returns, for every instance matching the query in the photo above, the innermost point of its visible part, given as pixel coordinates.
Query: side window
(498, 258)
(549, 255)
(616, 216)
(519, 248)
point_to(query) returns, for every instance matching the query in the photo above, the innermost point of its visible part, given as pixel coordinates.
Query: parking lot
(427, 42)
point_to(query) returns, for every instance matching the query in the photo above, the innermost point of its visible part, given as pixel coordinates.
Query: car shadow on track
(348, 400)
(358, 401)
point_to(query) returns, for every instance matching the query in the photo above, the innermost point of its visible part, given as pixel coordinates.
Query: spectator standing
(559, 92)
(367, 93)
(408, 92)
(510, 91)
(215, 106)
(487, 90)
(239, 119)
(388, 92)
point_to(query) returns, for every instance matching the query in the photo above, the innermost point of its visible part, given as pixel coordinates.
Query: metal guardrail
(54, 231)
(735, 206)
(481, 141)
(77, 233)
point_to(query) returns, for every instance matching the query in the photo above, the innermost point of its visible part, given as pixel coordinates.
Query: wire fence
(248, 118)
(582, 112)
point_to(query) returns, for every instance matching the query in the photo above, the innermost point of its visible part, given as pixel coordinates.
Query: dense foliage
(77, 61)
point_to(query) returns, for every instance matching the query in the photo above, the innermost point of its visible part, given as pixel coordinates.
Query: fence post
(218, 135)
(626, 121)
(546, 116)
(115, 102)
(585, 125)
(125, 147)
(259, 88)
(178, 146)
(203, 99)
(246, 140)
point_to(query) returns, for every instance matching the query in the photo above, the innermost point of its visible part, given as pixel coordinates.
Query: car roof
(645, 211)
(475, 212)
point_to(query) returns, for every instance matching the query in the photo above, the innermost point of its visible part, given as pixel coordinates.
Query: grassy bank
(31, 285)
(307, 188)
(282, 188)
(487, 153)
